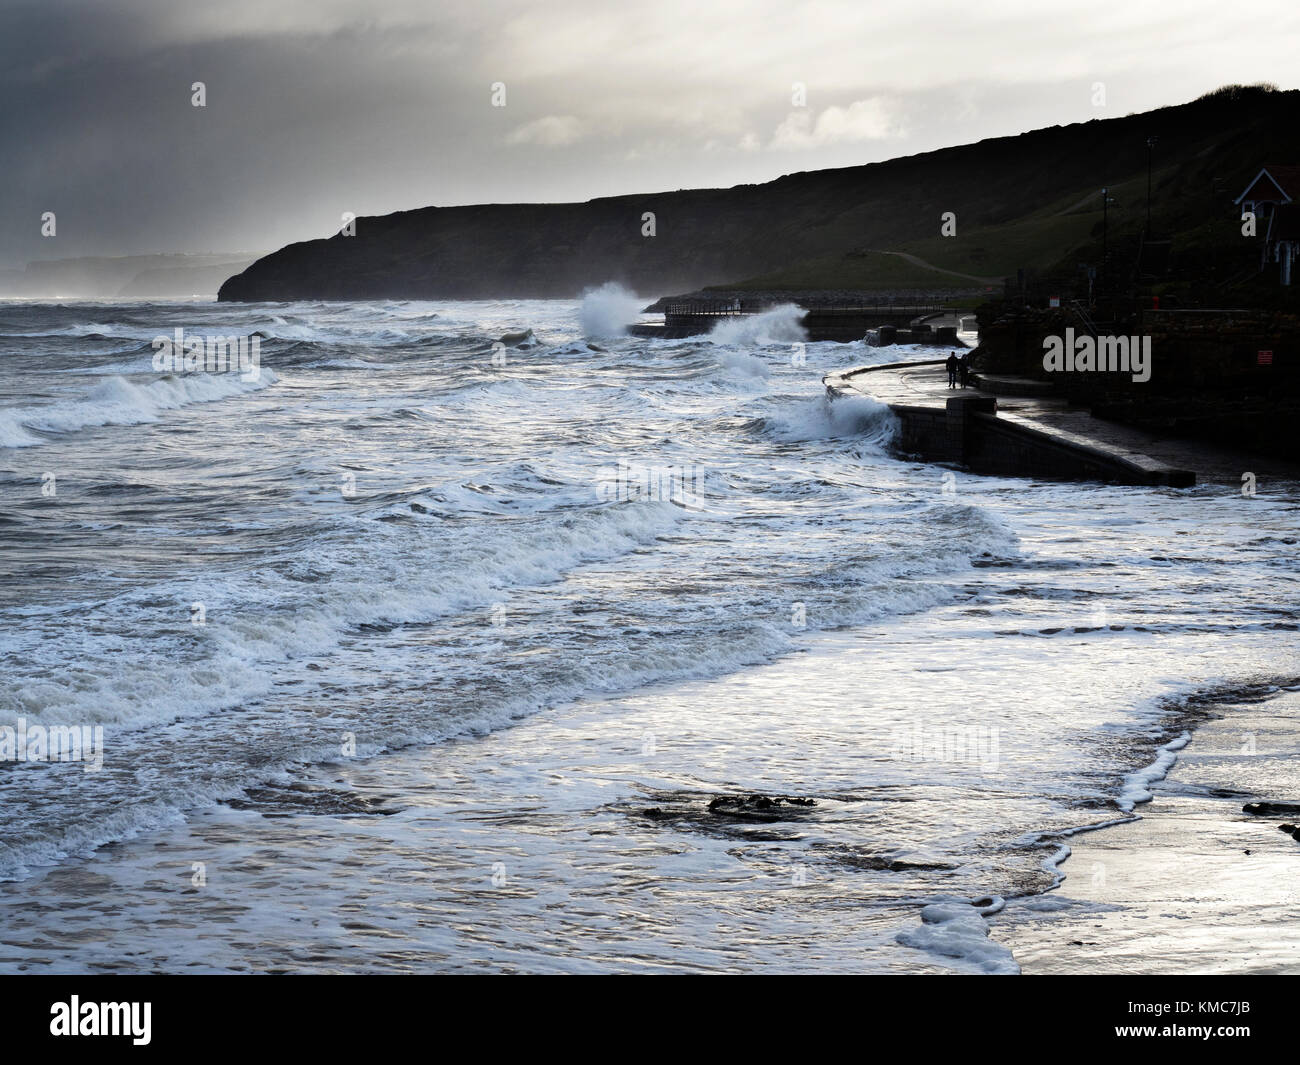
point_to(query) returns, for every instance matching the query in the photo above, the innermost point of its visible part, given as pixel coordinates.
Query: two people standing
(958, 369)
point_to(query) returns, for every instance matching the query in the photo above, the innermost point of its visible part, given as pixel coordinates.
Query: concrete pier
(843, 322)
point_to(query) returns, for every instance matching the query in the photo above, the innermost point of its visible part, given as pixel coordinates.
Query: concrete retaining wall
(968, 432)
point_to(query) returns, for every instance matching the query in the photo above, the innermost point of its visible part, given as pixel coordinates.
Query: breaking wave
(121, 401)
(779, 325)
(820, 419)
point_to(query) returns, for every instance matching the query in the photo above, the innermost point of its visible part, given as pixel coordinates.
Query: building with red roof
(1273, 197)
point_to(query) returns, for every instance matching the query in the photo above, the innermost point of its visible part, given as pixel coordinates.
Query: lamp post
(1105, 274)
(1104, 279)
(1151, 143)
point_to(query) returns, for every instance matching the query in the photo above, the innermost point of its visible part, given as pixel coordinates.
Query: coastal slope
(1029, 200)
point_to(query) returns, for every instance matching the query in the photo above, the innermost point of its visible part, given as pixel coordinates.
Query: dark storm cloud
(98, 126)
(316, 108)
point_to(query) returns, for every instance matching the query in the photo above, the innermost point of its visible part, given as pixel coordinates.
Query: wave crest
(122, 401)
(778, 325)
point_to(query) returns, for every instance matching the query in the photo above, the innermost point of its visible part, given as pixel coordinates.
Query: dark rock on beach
(1271, 809)
(297, 798)
(751, 816)
(522, 338)
(884, 863)
(757, 807)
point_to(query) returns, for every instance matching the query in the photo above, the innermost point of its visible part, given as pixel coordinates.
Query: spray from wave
(607, 311)
(778, 325)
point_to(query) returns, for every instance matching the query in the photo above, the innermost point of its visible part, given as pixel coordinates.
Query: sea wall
(967, 431)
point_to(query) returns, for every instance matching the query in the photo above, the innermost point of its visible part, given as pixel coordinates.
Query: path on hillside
(1088, 197)
(916, 260)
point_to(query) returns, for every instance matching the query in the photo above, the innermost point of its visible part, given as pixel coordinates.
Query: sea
(485, 637)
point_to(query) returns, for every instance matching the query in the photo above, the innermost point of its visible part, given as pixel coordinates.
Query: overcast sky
(316, 107)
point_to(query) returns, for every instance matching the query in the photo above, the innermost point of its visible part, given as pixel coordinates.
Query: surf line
(1134, 792)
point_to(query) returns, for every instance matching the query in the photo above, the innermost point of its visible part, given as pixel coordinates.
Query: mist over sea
(420, 649)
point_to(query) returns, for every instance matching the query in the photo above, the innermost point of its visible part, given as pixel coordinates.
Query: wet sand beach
(1195, 885)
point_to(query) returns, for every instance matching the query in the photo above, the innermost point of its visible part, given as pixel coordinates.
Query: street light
(1106, 201)
(1151, 143)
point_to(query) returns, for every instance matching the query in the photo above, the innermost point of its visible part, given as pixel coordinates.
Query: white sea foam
(821, 419)
(12, 430)
(123, 401)
(254, 624)
(350, 364)
(607, 311)
(743, 365)
(476, 490)
(777, 325)
(959, 930)
(1137, 786)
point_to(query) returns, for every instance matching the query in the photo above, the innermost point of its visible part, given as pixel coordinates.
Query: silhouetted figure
(964, 370)
(954, 365)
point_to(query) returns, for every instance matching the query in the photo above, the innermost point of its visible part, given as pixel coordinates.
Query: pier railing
(727, 308)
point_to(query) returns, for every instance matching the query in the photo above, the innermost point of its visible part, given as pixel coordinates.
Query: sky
(314, 108)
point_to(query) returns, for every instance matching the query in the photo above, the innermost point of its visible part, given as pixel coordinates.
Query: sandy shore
(1195, 885)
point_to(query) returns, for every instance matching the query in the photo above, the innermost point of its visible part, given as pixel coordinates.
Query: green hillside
(1191, 206)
